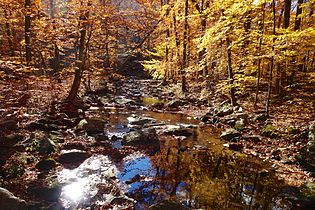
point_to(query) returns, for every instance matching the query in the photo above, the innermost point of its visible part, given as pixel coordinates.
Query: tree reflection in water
(209, 179)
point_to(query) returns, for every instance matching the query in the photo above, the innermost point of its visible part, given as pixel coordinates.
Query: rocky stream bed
(133, 146)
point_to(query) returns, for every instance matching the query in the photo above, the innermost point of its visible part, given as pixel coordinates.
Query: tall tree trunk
(287, 10)
(297, 22)
(8, 32)
(281, 70)
(177, 43)
(185, 43)
(272, 59)
(262, 26)
(230, 71)
(81, 59)
(28, 32)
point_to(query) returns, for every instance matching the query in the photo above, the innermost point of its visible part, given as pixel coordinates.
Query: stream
(190, 170)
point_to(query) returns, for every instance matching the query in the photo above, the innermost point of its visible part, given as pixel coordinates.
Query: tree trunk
(259, 51)
(81, 60)
(297, 22)
(8, 32)
(230, 71)
(28, 32)
(272, 59)
(287, 10)
(185, 43)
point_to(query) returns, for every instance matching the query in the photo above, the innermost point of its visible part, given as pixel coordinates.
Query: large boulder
(9, 202)
(147, 136)
(92, 125)
(230, 134)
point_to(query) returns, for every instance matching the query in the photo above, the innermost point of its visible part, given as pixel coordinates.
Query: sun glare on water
(74, 191)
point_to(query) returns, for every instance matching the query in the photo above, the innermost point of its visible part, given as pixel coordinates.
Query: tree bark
(81, 59)
(185, 43)
(8, 32)
(230, 71)
(28, 32)
(259, 50)
(272, 59)
(297, 22)
(286, 17)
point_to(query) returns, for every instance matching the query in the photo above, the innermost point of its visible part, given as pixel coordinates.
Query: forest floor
(278, 139)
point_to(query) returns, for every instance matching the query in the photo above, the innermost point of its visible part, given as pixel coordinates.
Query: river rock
(72, 156)
(178, 130)
(92, 125)
(42, 126)
(158, 105)
(174, 104)
(230, 134)
(140, 120)
(168, 205)
(147, 136)
(223, 110)
(311, 132)
(46, 193)
(9, 202)
(11, 124)
(10, 140)
(47, 146)
(260, 117)
(239, 124)
(46, 165)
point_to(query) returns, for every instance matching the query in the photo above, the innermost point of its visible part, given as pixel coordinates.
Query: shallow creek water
(196, 172)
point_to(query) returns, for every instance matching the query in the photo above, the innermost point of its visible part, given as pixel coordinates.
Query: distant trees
(87, 36)
(253, 45)
(237, 45)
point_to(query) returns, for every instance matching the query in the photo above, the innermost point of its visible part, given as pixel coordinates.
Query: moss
(268, 130)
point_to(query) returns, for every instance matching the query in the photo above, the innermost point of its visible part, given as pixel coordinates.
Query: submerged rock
(230, 134)
(9, 202)
(47, 193)
(147, 136)
(168, 205)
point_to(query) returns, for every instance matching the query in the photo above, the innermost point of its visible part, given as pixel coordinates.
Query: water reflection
(136, 170)
(195, 171)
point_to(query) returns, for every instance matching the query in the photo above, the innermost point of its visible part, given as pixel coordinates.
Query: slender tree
(28, 32)
(82, 55)
(272, 58)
